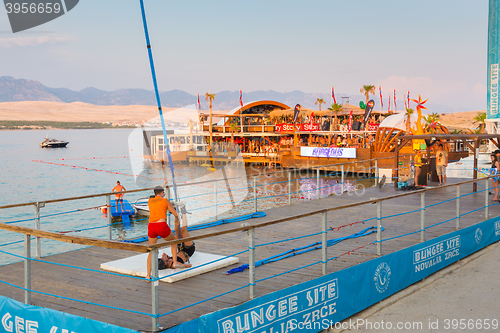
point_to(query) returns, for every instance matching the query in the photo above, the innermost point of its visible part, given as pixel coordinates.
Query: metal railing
(252, 284)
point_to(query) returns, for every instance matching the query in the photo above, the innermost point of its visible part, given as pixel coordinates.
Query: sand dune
(77, 111)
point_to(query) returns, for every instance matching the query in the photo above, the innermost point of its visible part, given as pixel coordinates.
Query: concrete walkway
(464, 297)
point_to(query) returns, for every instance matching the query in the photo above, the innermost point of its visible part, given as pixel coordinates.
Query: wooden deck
(135, 294)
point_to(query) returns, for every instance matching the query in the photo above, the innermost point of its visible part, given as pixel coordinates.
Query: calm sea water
(92, 163)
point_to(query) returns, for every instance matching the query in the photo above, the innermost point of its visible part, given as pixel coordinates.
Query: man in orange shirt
(118, 196)
(158, 206)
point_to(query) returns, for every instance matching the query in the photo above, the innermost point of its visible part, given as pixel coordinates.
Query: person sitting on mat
(158, 206)
(184, 250)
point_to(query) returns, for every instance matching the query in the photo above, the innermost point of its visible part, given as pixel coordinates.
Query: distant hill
(17, 90)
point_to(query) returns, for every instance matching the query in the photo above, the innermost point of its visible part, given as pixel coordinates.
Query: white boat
(141, 206)
(53, 143)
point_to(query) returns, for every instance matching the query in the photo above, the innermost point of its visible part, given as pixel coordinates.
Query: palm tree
(408, 114)
(319, 101)
(367, 90)
(481, 118)
(336, 108)
(210, 97)
(233, 126)
(434, 117)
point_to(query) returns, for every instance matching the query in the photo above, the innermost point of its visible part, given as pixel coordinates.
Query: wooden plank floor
(135, 295)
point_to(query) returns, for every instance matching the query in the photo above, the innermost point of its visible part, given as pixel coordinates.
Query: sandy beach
(78, 111)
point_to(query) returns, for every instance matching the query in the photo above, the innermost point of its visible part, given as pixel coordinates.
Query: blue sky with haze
(436, 48)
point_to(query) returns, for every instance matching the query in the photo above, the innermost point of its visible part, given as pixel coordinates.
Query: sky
(436, 48)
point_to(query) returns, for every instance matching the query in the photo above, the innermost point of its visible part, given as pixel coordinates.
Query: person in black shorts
(184, 250)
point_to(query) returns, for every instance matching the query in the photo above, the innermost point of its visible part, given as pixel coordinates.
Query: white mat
(136, 265)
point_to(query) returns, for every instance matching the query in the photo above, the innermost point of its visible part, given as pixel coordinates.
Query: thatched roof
(289, 112)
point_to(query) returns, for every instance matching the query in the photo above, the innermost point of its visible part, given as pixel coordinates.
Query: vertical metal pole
(458, 207)
(379, 227)
(317, 183)
(255, 193)
(155, 303)
(108, 210)
(342, 180)
(323, 243)
(169, 216)
(38, 251)
(215, 200)
(486, 201)
(251, 261)
(376, 172)
(27, 269)
(422, 216)
(289, 187)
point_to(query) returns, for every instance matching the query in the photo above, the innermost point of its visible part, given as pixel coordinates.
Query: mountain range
(17, 90)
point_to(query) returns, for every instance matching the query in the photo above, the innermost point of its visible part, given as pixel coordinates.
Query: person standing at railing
(495, 167)
(418, 165)
(118, 196)
(441, 163)
(158, 207)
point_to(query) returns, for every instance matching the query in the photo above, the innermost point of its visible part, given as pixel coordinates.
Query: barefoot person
(441, 164)
(158, 206)
(118, 196)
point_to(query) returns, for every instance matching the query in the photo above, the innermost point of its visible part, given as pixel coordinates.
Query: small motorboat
(53, 143)
(141, 206)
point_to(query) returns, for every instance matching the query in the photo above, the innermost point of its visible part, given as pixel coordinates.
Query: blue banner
(320, 303)
(493, 61)
(18, 317)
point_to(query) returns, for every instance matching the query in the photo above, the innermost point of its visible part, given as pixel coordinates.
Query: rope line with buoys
(97, 170)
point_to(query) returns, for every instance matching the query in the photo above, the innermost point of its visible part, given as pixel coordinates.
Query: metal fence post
(486, 201)
(289, 187)
(422, 216)
(27, 269)
(108, 210)
(376, 172)
(255, 193)
(38, 251)
(215, 200)
(251, 261)
(324, 244)
(317, 184)
(155, 304)
(342, 181)
(379, 227)
(458, 207)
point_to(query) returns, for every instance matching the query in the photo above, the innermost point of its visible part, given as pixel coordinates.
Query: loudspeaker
(356, 125)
